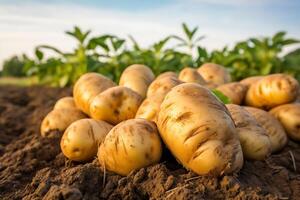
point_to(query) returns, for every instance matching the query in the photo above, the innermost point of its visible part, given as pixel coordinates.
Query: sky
(25, 24)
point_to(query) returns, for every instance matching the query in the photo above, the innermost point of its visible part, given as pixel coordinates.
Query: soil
(32, 167)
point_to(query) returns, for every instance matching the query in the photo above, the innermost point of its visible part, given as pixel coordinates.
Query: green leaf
(223, 98)
(39, 54)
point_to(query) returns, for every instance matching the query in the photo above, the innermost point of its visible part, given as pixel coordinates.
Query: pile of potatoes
(126, 126)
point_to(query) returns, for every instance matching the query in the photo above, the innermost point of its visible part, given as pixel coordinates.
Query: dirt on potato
(32, 167)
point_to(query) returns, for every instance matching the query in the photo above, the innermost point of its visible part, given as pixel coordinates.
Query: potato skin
(65, 103)
(138, 78)
(162, 85)
(271, 91)
(130, 145)
(60, 119)
(167, 74)
(289, 116)
(272, 126)
(250, 80)
(254, 139)
(199, 131)
(87, 87)
(81, 139)
(116, 104)
(214, 74)
(190, 75)
(235, 91)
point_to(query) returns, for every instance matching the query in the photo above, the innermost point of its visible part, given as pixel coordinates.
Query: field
(32, 167)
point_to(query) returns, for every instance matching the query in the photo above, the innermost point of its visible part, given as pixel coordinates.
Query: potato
(162, 85)
(272, 126)
(60, 119)
(235, 91)
(250, 80)
(254, 139)
(214, 74)
(138, 78)
(116, 104)
(150, 108)
(289, 116)
(65, 103)
(190, 75)
(87, 87)
(199, 131)
(271, 91)
(81, 139)
(130, 145)
(167, 74)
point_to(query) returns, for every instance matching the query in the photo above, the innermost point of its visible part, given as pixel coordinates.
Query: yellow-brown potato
(254, 139)
(214, 73)
(138, 78)
(115, 104)
(81, 139)
(272, 126)
(60, 119)
(163, 85)
(250, 80)
(199, 131)
(166, 74)
(289, 116)
(130, 145)
(87, 87)
(150, 107)
(235, 91)
(190, 75)
(65, 103)
(271, 91)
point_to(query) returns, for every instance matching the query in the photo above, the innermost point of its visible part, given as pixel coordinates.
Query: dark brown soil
(32, 167)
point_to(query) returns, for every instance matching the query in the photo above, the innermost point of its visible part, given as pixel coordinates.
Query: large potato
(214, 74)
(250, 80)
(162, 85)
(272, 126)
(289, 116)
(130, 145)
(87, 87)
(271, 91)
(81, 139)
(65, 103)
(235, 91)
(199, 131)
(254, 139)
(60, 119)
(190, 75)
(138, 78)
(115, 104)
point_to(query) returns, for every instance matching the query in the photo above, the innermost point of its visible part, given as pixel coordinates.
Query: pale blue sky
(25, 24)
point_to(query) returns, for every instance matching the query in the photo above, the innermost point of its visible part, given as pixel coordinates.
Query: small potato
(87, 87)
(271, 91)
(190, 75)
(254, 139)
(166, 74)
(81, 139)
(235, 91)
(65, 103)
(60, 119)
(130, 145)
(150, 107)
(116, 104)
(199, 131)
(272, 126)
(161, 86)
(214, 74)
(289, 116)
(250, 80)
(138, 78)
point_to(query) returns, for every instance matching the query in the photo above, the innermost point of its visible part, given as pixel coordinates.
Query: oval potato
(130, 145)
(163, 85)
(81, 139)
(190, 75)
(250, 80)
(65, 103)
(235, 91)
(199, 131)
(214, 74)
(115, 104)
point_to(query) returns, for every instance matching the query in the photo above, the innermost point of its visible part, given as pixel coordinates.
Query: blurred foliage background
(110, 55)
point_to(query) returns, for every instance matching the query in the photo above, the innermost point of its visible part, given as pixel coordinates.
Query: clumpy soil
(32, 167)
